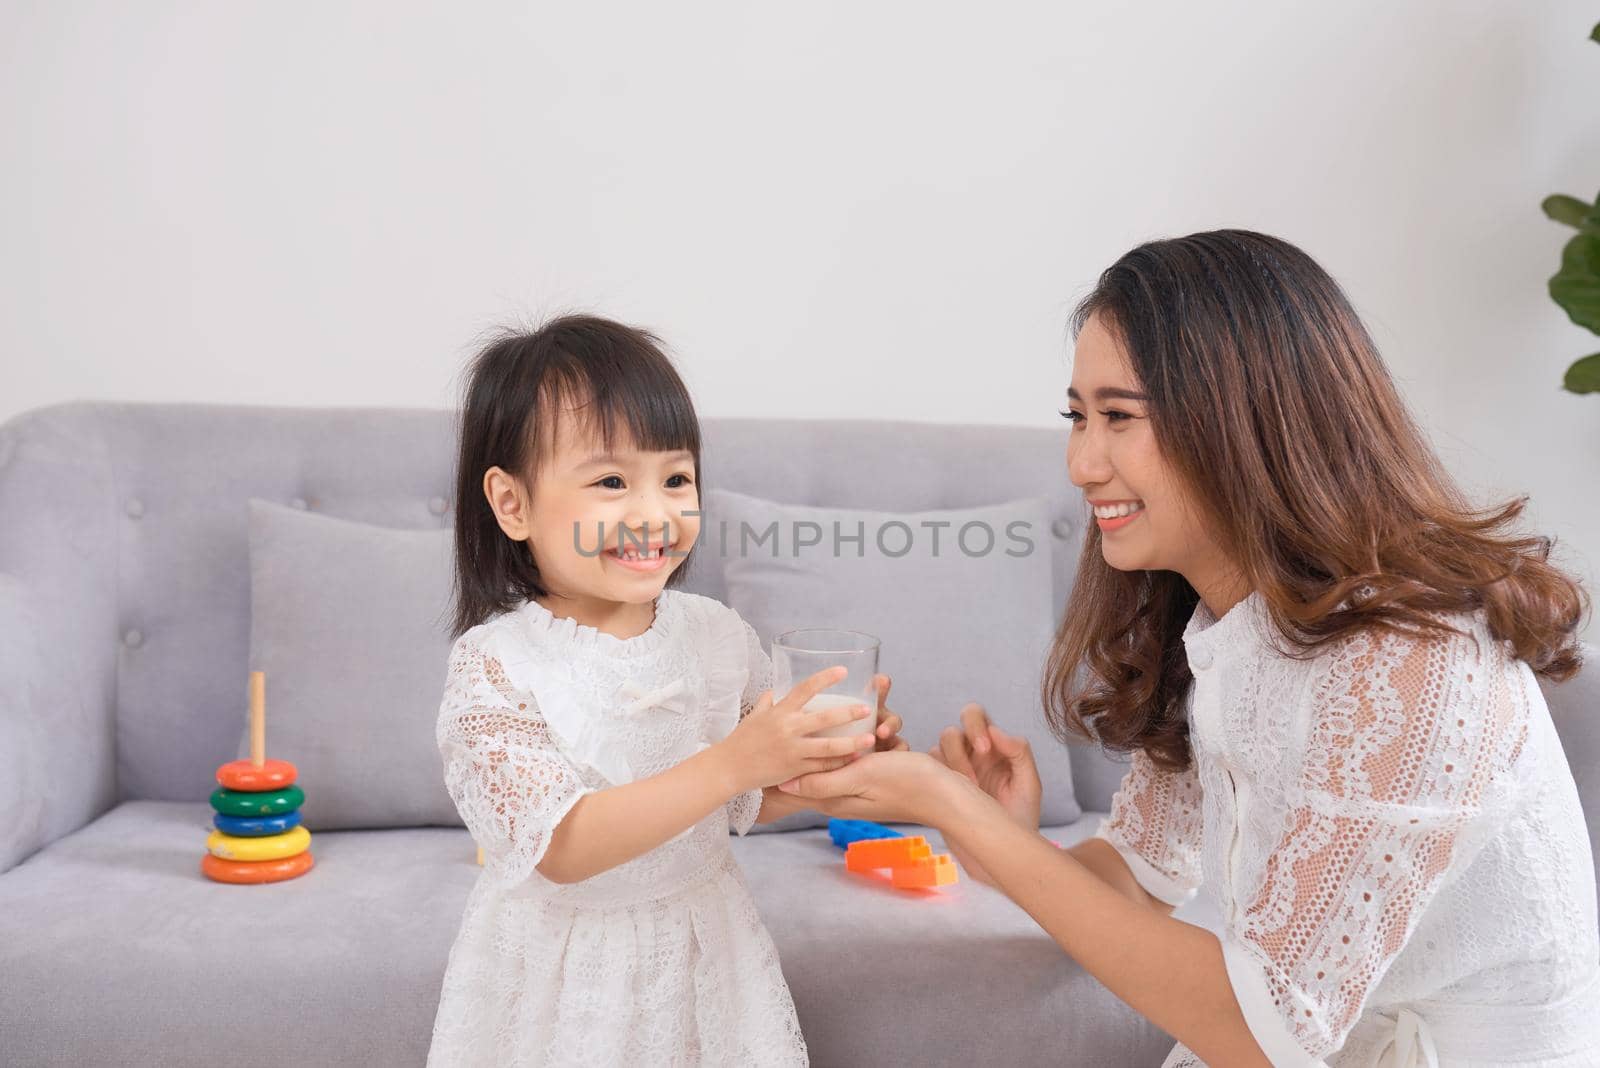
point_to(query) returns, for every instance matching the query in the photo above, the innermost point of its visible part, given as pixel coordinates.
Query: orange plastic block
(886, 853)
(926, 873)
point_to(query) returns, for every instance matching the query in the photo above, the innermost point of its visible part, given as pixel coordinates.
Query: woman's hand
(1000, 764)
(888, 732)
(888, 786)
(772, 744)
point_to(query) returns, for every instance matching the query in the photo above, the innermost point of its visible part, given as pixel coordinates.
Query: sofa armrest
(58, 627)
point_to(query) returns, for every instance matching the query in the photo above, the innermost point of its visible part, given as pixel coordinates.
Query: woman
(1323, 662)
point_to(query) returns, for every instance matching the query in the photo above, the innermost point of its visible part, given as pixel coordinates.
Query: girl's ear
(508, 501)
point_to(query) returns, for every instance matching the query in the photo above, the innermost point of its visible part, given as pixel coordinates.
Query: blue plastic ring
(256, 826)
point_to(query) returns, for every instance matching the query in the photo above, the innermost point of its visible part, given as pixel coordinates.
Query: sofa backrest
(129, 523)
(124, 570)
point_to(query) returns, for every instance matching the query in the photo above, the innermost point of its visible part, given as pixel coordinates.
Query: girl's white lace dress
(660, 961)
(1394, 840)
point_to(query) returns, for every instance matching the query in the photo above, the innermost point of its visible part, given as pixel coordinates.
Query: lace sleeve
(759, 680)
(743, 809)
(1400, 785)
(501, 767)
(1155, 824)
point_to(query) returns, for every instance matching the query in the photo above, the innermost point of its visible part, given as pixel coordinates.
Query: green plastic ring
(267, 803)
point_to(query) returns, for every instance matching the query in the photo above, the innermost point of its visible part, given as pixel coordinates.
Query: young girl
(1323, 661)
(601, 733)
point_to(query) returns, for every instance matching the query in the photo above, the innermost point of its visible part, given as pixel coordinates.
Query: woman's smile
(1114, 515)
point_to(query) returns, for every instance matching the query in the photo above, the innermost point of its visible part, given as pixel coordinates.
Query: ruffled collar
(547, 627)
(1242, 627)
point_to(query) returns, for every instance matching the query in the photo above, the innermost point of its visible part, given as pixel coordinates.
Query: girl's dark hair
(620, 381)
(1270, 402)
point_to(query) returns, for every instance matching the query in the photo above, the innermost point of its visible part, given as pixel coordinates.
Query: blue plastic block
(843, 832)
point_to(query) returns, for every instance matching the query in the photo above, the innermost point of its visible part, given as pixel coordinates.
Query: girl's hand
(889, 724)
(1000, 764)
(772, 743)
(893, 786)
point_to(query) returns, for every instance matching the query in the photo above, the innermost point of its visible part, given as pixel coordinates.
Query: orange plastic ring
(255, 871)
(243, 775)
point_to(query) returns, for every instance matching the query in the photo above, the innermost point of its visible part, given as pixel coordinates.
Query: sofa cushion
(960, 599)
(957, 976)
(348, 621)
(115, 950)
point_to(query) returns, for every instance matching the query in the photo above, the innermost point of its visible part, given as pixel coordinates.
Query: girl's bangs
(643, 408)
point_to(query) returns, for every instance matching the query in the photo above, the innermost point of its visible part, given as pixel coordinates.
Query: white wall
(830, 209)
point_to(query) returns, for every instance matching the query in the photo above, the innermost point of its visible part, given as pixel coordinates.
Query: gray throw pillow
(348, 621)
(961, 601)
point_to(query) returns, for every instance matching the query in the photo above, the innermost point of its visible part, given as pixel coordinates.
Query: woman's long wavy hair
(1270, 402)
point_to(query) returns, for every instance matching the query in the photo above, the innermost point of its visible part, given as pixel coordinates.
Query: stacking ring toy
(256, 871)
(270, 803)
(243, 775)
(255, 826)
(258, 836)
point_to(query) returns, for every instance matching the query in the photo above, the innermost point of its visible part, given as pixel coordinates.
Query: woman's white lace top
(1394, 840)
(662, 960)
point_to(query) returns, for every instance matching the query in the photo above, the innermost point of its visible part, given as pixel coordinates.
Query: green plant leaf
(1576, 287)
(1584, 376)
(1565, 209)
(1594, 34)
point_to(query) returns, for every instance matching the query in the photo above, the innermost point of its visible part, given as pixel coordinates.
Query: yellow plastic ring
(294, 841)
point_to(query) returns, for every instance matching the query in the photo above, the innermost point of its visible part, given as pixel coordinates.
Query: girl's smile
(640, 555)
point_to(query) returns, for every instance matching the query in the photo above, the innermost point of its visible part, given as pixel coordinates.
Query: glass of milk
(799, 654)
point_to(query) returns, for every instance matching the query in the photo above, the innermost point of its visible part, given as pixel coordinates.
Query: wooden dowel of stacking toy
(258, 718)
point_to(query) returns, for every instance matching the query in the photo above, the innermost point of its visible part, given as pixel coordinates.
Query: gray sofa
(124, 633)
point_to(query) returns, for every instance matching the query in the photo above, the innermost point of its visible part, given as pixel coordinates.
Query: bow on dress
(673, 697)
(1411, 1045)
